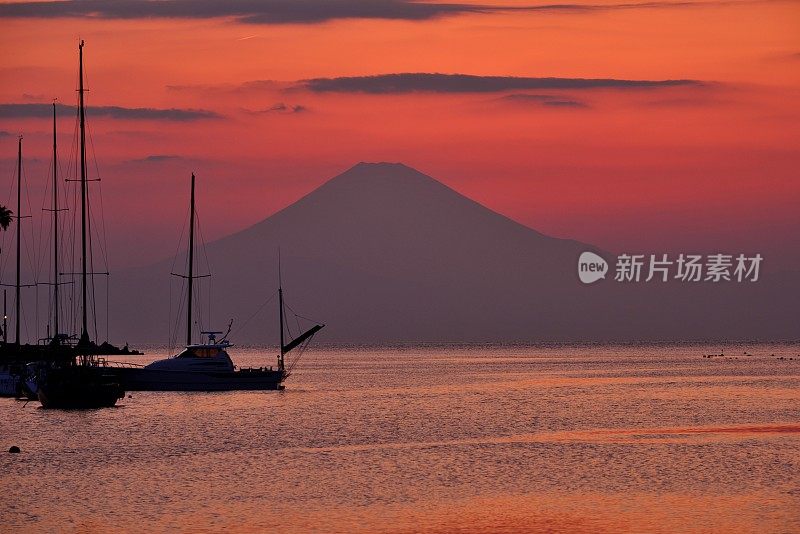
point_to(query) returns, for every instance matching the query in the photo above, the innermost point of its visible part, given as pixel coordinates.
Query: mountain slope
(384, 253)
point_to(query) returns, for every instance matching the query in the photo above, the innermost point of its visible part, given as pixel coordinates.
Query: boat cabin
(201, 357)
(202, 351)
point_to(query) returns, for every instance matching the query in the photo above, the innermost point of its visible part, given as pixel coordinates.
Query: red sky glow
(707, 164)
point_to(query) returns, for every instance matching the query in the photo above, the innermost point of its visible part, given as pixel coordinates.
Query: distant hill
(384, 253)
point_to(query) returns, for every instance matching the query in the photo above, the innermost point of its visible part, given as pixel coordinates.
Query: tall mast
(85, 324)
(191, 268)
(19, 239)
(280, 308)
(55, 229)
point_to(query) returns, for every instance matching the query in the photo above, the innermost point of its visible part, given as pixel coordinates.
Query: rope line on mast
(96, 237)
(68, 251)
(178, 315)
(173, 332)
(75, 154)
(90, 234)
(252, 316)
(49, 236)
(301, 316)
(202, 239)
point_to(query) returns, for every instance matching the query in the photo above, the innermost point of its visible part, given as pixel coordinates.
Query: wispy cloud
(688, 101)
(157, 158)
(251, 86)
(527, 98)
(299, 11)
(280, 107)
(565, 104)
(4, 133)
(544, 100)
(17, 111)
(33, 98)
(466, 83)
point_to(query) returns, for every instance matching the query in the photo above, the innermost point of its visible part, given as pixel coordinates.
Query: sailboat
(16, 357)
(12, 368)
(78, 380)
(207, 366)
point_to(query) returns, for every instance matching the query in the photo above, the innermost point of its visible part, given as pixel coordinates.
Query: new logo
(591, 267)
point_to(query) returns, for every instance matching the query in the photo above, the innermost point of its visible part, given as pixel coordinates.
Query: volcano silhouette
(383, 253)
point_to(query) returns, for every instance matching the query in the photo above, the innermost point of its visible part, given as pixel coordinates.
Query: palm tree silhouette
(5, 217)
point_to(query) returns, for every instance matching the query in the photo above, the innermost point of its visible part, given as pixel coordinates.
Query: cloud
(157, 158)
(247, 87)
(17, 111)
(466, 83)
(280, 107)
(545, 100)
(248, 11)
(297, 11)
(699, 101)
(565, 104)
(527, 98)
(4, 133)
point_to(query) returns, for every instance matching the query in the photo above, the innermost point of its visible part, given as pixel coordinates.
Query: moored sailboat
(11, 368)
(77, 379)
(207, 366)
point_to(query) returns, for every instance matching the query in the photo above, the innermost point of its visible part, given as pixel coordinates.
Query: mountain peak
(381, 170)
(381, 165)
(384, 179)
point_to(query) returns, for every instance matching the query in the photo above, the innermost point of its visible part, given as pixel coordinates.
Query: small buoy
(14, 449)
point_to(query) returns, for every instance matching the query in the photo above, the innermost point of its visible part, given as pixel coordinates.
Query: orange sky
(707, 166)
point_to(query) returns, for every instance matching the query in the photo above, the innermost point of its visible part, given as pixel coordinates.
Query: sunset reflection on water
(649, 438)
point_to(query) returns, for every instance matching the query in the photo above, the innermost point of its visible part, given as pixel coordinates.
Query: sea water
(431, 438)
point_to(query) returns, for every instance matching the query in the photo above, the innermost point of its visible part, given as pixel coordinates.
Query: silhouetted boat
(11, 380)
(13, 356)
(200, 367)
(77, 378)
(208, 366)
(79, 385)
